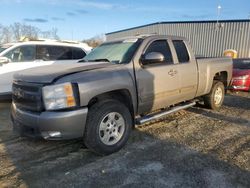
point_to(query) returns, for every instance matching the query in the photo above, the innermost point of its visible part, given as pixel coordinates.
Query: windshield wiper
(82, 60)
(97, 60)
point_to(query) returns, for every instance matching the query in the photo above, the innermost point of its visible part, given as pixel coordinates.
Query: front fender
(97, 82)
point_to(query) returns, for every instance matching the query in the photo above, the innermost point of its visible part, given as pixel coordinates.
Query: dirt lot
(193, 148)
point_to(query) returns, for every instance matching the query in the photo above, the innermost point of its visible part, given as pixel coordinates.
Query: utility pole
(218, 16)
(218, 13)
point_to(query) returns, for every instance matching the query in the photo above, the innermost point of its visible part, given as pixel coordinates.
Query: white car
(18, 56)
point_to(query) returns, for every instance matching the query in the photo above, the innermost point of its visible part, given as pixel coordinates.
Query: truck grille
(27, 96)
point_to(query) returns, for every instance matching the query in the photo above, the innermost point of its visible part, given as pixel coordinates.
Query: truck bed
(208, 67)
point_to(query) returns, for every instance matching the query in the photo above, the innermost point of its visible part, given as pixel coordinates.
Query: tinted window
(42, 52)
(22, 54)
(78, 53)
(49, 53)
(181, 51)
(162, 47)
(241, 63)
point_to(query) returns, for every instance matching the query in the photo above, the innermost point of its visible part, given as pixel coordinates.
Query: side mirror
(4, 60)
(152, 57)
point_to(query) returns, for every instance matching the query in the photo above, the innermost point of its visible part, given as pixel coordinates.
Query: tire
(215, 98)
(108, 127)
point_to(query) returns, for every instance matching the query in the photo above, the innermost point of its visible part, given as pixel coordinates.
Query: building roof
(181, 22)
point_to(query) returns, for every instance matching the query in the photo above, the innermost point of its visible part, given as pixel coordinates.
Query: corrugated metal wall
(208, 39)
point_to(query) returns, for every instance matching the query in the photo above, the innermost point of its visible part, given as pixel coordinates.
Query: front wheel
(108, 127)
(215, 98)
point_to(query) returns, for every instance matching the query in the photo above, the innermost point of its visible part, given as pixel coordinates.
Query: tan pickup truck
(120, 83)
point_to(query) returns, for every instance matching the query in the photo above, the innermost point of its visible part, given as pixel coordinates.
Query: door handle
(172, 72)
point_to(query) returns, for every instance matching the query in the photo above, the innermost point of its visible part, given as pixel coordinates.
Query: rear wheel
(215, 98)
(108, 127)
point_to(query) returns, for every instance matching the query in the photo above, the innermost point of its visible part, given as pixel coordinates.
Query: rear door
(158, 83)
(188, 73)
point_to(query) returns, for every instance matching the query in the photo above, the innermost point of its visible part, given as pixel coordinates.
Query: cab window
(78, 53)
(50, 53)
(181, 51)
(22, 54)
(162, 47)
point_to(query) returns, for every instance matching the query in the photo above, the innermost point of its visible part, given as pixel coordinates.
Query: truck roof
(148, 36)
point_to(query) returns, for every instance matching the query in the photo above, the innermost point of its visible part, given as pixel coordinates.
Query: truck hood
(50, 73)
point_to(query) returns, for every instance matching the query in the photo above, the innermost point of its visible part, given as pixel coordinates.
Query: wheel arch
(223, 77)
(122, 95)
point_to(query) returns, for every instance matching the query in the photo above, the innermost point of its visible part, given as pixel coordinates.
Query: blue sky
(82, 19)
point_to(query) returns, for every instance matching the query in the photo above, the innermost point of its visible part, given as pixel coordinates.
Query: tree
(1, 33)
(6, 35)
(95, 41)
(52, 34)
(17, 30)
(30, 31)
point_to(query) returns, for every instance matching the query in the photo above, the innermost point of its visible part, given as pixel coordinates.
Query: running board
(151, 117)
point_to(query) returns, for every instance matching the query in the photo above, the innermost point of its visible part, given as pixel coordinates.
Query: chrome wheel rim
(218, 96)
(112, 128)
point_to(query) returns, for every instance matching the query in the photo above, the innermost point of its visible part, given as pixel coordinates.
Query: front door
(158, 83)
(21, 58)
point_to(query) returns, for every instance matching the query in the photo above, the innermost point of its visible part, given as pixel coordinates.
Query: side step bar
(151, 117)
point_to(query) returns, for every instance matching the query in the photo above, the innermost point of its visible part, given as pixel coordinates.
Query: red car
(241, 75)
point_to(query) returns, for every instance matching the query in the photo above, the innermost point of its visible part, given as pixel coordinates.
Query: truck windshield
(241, 64)
(114, 52)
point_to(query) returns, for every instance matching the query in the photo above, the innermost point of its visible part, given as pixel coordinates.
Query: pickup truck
(119, 84)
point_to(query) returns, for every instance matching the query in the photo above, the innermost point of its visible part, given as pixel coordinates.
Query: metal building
(208, 38)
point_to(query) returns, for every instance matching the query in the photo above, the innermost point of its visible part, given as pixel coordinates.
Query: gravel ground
(192, 148)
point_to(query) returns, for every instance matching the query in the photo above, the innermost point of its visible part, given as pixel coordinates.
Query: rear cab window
(181, 51)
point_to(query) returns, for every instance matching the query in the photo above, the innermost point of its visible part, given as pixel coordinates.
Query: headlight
(58, 96)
